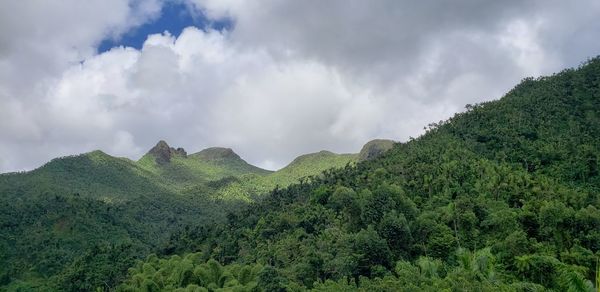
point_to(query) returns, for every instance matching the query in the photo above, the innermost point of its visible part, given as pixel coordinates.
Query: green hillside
(189, 172)
(95, 175)
(311, 164)
(250, 186)
(68, 242)
(80, 221)
(502, 197)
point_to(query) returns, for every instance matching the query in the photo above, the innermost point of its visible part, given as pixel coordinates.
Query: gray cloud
(291, 76)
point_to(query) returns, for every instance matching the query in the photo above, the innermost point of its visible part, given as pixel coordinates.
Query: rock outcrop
(162, 152)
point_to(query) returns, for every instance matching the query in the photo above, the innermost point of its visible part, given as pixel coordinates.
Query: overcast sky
(271, 79)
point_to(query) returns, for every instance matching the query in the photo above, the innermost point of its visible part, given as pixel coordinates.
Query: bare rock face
(180, 151)
(162, 152)
(375, 148)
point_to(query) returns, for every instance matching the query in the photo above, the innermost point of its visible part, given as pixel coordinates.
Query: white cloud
(290, 77)
(39, 41)
(197, 91)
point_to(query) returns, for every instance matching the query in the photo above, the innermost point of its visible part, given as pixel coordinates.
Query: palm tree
(429, 267)
(598, 275)
(573, 281)
(212, 275)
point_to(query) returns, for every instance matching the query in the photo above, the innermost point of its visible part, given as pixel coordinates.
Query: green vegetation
(191, 273)
(79, 222)
(94, 175)
(185, 172)
(54, 241)
(502, 197)
(304, 167)
(374, 149)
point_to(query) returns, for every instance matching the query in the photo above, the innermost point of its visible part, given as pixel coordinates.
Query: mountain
(184, 171)
(502, 197)
(303, 167)
(310, 164)
(82, 220)
(95, 175)
(374, 149)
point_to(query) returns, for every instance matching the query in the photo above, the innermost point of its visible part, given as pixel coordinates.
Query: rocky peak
(162, 152)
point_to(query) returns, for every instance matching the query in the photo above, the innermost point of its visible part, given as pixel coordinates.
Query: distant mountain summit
(162, 152)
(217, 153)
(375, 148)
(314, 158)
(191, 173)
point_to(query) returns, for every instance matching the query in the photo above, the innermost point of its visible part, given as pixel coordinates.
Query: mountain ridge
(72, 200)
(162, 152)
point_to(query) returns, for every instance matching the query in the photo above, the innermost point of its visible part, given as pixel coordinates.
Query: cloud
(290, 77)
(197, 90)
(39, 40)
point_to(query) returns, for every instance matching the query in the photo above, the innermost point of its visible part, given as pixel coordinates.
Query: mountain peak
(375, 148)
(311, 157)
(161, 144)
(217, 153)
(162, 152)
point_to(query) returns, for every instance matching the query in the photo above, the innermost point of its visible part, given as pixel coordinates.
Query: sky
(271, 79)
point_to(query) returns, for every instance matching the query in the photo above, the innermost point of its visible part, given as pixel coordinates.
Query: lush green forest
(251, 186)
(79, 222)
(502, 197)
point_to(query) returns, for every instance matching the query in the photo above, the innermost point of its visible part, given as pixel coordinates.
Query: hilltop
(185, 171)
(303, 167)
(374, 149)
(94, 174)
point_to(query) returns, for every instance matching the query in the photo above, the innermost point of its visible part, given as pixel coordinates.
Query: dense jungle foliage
(78, 222)
(502, 197)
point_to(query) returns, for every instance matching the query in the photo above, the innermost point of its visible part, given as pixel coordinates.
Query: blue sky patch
(175, 16)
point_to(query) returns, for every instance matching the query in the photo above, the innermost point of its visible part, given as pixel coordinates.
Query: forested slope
(251, 186)
(94, 175)
(78, 222)
(502, 197)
